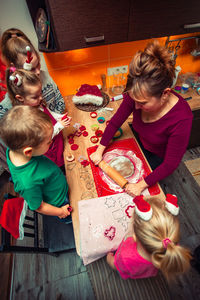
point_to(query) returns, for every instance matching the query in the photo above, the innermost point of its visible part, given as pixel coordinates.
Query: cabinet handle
(188, 26)
(94, 39)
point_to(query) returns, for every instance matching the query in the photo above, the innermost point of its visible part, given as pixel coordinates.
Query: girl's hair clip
(12, 69)
(17, 79)
(27, 65)
(142, 208)
(172, 204)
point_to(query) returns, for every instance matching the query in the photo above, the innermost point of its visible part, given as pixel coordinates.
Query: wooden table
(79, 178)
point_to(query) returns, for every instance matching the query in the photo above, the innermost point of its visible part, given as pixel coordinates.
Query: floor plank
(70, 288)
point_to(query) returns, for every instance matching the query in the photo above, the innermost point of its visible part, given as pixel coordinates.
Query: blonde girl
(154, 244)
(24, 87)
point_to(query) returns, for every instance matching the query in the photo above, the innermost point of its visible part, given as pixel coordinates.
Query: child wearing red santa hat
(25, 87)
(154, 244)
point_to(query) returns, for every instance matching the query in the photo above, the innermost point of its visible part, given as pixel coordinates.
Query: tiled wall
(70, 69)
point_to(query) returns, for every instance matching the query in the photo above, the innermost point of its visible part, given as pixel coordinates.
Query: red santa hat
(172, 204)
(88, 94)
(27, 65)
(16, 78)
(13, 215)
(142, 208)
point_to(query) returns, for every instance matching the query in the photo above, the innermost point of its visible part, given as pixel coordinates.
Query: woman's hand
(96, 157)
(135, 189)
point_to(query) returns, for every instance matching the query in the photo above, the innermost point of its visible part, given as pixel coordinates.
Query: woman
(161, 118)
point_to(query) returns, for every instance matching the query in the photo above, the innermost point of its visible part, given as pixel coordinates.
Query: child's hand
(64, 211)
(110, 260)
(65, 120)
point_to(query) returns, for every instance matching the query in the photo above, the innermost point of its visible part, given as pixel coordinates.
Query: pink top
(55, 152)
(167, 137)
(130, 264)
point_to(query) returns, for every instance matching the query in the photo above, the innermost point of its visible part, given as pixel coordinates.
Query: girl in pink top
(154, 243)
(24, 87)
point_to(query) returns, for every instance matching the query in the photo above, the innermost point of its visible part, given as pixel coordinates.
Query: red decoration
(74, 147)
(65, 116)
(110, 233)
(70, 136)
(141, 203)
(127, 210)
(82, 128)
(93, 114)
(172, 199)
(98, 133)
(71, 141)
(78, 133)
(85, 133)
(89, 89)
(70, 208)
(127, 144)
(29, 57)
(85, 163)
(142, 208)
(3, 87)
(94, 139)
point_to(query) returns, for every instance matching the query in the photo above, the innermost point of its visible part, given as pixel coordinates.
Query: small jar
(177, 89)
(198, 90)
(184, 88)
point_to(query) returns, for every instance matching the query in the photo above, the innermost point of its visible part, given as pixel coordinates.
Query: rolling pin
(113, 174)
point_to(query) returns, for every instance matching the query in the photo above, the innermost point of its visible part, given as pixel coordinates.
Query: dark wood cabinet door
(83, 23)
(156, 18)
(195, 135)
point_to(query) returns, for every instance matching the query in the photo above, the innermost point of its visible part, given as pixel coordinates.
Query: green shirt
(39, 180)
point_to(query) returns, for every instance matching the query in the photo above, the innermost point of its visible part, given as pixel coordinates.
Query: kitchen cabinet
(156, 18)
(195, 136)
(83, 23)
(79, 24)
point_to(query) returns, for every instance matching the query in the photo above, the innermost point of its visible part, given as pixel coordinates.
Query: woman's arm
(176, 147)
(123, 112)
(125, 109)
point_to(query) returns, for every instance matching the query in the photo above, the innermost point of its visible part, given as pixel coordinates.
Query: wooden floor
(42, 276)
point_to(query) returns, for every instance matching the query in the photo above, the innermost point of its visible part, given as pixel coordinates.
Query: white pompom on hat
(172, 204)
(142, 208)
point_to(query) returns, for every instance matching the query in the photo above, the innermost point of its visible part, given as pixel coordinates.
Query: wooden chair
(54, 236)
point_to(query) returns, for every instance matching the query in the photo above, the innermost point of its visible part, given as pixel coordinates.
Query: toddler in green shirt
(27, 132)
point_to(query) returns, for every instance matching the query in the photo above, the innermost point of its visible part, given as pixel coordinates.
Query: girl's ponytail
(175, 260)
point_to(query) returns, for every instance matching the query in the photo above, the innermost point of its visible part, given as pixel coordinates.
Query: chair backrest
(30, 227)
(53, 235)
(9, 244)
